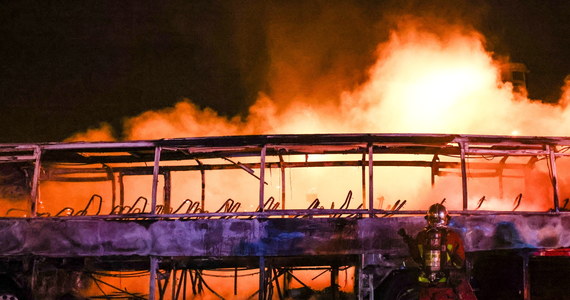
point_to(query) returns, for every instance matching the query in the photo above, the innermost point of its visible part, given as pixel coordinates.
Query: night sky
(66, 66)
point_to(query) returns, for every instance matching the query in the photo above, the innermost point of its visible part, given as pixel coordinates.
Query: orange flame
(423, 81)
(436, 80)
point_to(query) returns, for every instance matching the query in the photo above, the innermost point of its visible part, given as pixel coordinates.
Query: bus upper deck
(280, 175)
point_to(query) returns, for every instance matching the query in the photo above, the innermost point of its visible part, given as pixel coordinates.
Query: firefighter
(439, 252)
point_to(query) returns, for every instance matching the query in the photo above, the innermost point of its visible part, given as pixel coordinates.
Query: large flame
(423, 81)
(426, 79)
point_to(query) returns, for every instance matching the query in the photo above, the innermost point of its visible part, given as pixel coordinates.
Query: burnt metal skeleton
(265, 234)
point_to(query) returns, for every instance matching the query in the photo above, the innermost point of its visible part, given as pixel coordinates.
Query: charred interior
(276, 216)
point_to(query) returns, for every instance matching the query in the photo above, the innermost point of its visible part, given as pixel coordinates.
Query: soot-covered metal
(52, 228)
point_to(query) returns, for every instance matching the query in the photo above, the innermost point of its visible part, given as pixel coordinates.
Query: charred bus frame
(112, 161)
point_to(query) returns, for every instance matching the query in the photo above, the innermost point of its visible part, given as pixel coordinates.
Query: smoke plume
(331, 72)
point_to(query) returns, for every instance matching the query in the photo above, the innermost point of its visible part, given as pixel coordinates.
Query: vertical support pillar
(111, 177)
(262, 178)
(152, 283)
(35, 182)
(334, 282)
(203, 193)
(463, 147)
(365, 279)
(185, 273)
(173, 283)
(282, 167)
(371, 179)
(203, 180)
(262, 278)
(364, 180)
(157, 151)
(34, 278)
(553, 177)
(167, 191)
(434, 168)
(121, 191)
(371, 286)
(286, 281)
(235, 281)
(526, 277)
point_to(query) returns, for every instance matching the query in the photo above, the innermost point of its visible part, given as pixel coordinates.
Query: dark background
(66, 66)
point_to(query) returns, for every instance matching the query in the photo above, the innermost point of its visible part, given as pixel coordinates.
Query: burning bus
(278, 216)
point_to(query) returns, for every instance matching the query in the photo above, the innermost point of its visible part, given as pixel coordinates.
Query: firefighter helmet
(437, 215)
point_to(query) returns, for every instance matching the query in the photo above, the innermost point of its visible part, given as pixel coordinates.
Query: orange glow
(437, 80)
(421, 82)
